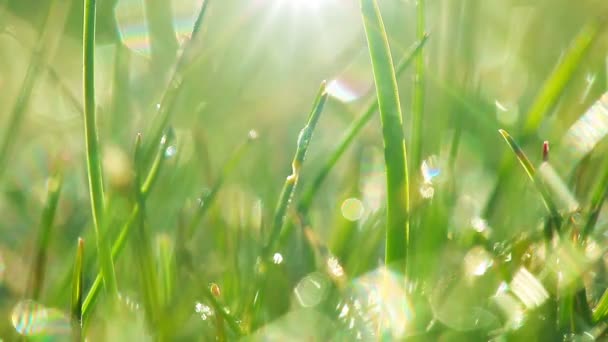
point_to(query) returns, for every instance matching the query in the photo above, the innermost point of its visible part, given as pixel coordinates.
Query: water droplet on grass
(203, 310)
(311, 290)
(277, 258)
(477, 261)
(352, 209)
(171, 151)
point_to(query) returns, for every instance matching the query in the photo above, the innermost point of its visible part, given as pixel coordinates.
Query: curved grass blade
(418, 95)
(531, 171)
(54, 186)
(349, 136)
(208, 197)
(398, 211)
(291, 181)
(125, 231)
(77, 285)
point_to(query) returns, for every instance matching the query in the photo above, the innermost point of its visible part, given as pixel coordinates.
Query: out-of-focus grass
(191, 216)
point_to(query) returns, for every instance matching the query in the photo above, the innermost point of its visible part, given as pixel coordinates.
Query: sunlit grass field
(303, 170)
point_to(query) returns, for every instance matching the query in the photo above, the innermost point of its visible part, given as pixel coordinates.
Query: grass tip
(546, 150)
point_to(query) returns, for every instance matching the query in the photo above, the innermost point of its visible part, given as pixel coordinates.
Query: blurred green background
(257, 65)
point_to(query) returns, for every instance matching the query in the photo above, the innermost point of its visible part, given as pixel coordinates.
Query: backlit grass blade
(291, 181)
(600, 191)
(54, 185)
(418, 95)
(208, 198)
(93, 150)
(167, 103)
(531, 171)
(560, 77)
(77, 289)
(125, 231)
(142, 247)
(349, 136)
(398, 211)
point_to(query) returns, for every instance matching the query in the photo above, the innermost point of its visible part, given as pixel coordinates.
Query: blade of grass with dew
(347, 139)
(54, 186)
(277, 234)
(531, 172)
(93, 150)
(600, 191)
(77, 288)
(119, 243)
(418, 95)
(545, 100)
(291, 181)
(167, 103)
(142, 247)
(398, 211)
(208, 198)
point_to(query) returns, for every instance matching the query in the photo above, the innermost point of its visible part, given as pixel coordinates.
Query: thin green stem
(93, 150)
(398, 209)
(208, 197)
(170, 95)
(54, 185)
(125, 231)
(77, 285)
(353, 131)
(555, 217)
(600, 191)
(418, 95)
(291, 181)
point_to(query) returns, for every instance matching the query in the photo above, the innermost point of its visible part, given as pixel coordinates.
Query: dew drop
(32, 319)
(171, 151)
(277, 258)
(352, 209)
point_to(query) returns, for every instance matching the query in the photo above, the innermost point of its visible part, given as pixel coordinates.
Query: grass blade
(208, 198)
(291, 181)
(560, 77)
(167, 102)
(418, 95)
(36, 65)
(600, 191)
(531, 171)
(143, 247)
(125, 231)
(93, 150)
(54, 185)
(347, 139)
(398, 211)
(77, 286)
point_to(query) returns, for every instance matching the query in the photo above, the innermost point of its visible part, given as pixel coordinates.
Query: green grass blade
(600, 191)
(560, 77)
(125, 231)
(54, 186)
(291, 181)
(169, 98)
(353, 131)
(93, 150)
(418, 95)
(166, 267)
(18, 111)
(208, 197)
(77, 288)
(398, 211)
(143, 247)
(531, 172)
